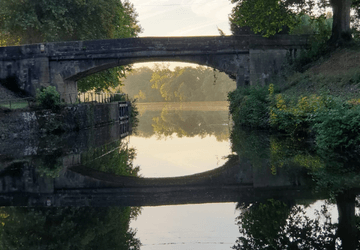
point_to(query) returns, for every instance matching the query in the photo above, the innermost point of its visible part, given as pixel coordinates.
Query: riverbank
(321, 102)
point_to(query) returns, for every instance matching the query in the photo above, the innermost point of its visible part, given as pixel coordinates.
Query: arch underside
(230, 64)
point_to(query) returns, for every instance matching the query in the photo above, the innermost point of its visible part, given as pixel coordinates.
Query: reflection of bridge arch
(235, 181)
(247, 58)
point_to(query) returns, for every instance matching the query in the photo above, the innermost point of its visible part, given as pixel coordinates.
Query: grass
(14, 104)
(338, 74)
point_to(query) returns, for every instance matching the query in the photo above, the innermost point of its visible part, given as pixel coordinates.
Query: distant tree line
(183, 84)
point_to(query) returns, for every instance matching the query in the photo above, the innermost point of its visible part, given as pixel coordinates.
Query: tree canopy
(27, 21)
(269, 17)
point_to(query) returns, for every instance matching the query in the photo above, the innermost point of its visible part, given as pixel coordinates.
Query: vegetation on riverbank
(318, 111)
(322, 101)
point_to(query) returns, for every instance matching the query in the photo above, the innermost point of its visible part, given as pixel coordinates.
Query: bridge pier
(265, 63)
(66, 88)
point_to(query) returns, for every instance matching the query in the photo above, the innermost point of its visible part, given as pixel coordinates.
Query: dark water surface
(220, 188)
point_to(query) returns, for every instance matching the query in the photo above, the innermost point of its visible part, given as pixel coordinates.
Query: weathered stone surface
(62, 64)
(21, 131)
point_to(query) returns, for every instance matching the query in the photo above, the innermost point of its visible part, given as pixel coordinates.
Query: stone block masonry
(28, 124)
(249, 59)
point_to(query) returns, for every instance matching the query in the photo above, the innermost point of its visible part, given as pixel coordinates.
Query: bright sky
(183, 17)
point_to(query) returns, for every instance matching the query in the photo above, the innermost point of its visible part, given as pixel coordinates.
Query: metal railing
(82, 97)
(96, 97)
(17, 103)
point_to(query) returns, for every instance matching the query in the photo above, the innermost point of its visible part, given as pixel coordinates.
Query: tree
(271, 16)
(27, 21)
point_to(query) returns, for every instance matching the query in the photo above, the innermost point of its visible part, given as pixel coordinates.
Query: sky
(183, 17)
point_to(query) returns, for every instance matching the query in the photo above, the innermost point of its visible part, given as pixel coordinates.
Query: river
(204, 185)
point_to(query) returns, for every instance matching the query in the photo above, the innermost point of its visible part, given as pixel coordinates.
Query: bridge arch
(98, 66)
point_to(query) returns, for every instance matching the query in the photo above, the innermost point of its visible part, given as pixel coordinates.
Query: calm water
(181, 138)
(243, 189)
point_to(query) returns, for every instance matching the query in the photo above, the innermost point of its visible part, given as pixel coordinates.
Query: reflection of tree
(184, 123)
(115, 158)
(67, 228)
(334, 173)
(251, 144)
(275, 225)
(190, 124)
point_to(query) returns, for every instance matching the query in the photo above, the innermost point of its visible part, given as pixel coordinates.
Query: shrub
(297, 116)
(249, 106)
(337, 129)
(48, 98)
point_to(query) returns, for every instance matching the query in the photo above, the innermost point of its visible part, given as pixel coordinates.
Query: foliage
(337, 129)
(334, 122)
(48, 98)
(249, 106)
(67, 228)
(186, 84)
(103, 81)
(267, 17)
(319, 31)
(25, 22)
(294, 118)
(28, 21)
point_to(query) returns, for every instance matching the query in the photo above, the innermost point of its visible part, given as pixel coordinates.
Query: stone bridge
(250, 59)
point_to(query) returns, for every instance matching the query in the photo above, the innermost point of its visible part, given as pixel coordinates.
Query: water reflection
(282, 223)
(184, 120)
(68, 228)
(176, 139)
(277, 225)
(79, 191)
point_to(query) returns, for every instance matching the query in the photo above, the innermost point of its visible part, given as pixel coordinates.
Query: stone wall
(27, 124)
